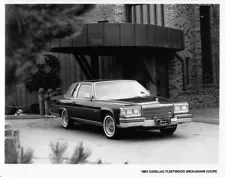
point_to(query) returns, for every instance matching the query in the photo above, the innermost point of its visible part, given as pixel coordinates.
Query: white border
(106, 170)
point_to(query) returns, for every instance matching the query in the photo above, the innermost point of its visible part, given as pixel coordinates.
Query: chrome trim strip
(130, 119)
(181, 104)
(148, 103)
(78, 88)
(87, 121)
(185, 120)
(157, 105)
(142, 122)
(179, 116)
(131, 124)
(127, 121)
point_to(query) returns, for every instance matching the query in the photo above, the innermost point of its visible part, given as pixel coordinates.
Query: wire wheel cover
(65, 119)
(109, 126)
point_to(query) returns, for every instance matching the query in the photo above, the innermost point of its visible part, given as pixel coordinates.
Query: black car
(117, 104)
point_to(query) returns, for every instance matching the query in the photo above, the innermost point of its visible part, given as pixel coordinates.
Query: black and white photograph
(103, 84)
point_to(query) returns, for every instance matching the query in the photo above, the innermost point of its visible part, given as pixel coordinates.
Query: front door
(83, 105)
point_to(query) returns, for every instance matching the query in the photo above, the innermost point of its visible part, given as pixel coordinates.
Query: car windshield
(111, 90)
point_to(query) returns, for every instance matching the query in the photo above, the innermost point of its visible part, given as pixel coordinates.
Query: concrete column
(150, 66)
(41, 101)
(95, 66)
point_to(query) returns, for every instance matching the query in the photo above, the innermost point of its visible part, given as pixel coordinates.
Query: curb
(29, 116)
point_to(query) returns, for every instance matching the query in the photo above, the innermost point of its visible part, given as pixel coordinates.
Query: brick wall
(186, 17)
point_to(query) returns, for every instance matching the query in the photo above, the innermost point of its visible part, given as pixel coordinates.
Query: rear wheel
(109, 126)
(168, 130)
(66, 120)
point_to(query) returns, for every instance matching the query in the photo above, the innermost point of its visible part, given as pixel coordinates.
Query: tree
(30, 28)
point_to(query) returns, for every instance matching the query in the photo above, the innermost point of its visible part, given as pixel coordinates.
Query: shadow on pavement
(126, 134)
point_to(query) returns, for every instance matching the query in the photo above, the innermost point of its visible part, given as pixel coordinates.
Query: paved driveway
(192, 143)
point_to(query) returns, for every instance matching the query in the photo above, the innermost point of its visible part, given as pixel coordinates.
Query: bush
(80, 155)
(57, 156)
(13, 156)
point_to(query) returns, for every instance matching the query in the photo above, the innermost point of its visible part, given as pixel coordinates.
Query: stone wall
(113, 13)
(204, 98)
(12, 145)
(215, 41)
(186, 18)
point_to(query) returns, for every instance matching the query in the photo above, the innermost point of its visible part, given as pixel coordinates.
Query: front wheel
(109, 126)
(168, 130)
(66, 121)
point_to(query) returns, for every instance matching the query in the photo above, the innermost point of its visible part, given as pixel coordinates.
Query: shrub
(58, 153)
(80, 155)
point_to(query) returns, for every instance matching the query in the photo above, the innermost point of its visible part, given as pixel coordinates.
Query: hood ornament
(156, 99)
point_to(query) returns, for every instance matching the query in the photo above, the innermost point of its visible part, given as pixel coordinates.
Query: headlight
(130, 112)
(181, 108)
(137, 111)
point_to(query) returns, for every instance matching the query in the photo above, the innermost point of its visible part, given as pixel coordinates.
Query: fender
(115, 113)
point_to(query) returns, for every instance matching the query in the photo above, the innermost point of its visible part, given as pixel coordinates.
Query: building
(182, 62)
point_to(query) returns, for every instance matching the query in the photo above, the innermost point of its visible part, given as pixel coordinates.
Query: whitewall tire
(65, 119)
(109, 126)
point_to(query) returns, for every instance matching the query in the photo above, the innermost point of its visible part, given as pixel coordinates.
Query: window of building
(187, 70)
(145, 14)
(206, 45)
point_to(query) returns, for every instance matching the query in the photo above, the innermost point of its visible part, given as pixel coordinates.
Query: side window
(85, 91)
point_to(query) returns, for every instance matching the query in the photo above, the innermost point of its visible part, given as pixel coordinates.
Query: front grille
(158, 112)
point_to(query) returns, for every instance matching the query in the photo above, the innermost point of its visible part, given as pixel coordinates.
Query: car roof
(103, 80)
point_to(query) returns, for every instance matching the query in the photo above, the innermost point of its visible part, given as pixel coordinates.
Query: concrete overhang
(110, 38)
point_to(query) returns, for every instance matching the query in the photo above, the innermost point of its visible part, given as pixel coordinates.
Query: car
(116, 105)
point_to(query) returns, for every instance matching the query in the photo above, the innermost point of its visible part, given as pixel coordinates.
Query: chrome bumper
(142, 122)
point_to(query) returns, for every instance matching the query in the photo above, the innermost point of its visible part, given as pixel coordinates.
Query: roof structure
(108, 38)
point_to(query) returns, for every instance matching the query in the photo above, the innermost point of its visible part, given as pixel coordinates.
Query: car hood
(140, 101)
(146, 99)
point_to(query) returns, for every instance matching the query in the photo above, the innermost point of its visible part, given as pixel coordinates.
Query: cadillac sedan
(116, 105)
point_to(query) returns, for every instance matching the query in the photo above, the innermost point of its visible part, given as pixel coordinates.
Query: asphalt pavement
(192, 143)
(206, 115)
